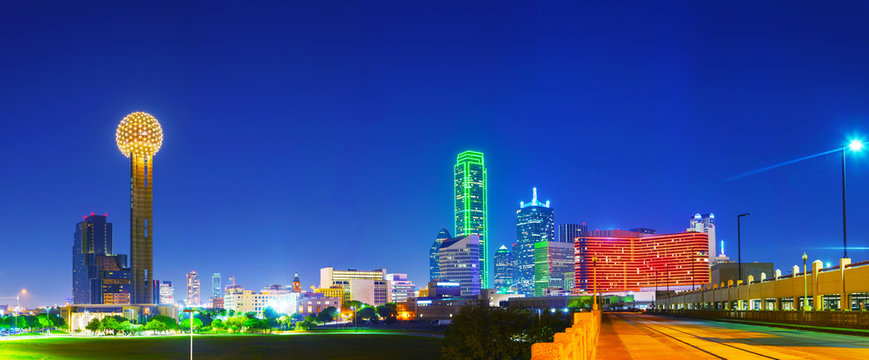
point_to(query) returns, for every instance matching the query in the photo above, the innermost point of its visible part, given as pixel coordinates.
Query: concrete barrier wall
(577, 342)
(843, 319)
(842, 281)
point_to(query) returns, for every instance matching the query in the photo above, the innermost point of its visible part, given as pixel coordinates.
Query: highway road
(641, 336)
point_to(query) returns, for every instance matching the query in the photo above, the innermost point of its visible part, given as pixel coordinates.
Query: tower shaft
(141, 223)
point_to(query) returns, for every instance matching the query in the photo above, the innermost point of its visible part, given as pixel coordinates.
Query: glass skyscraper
(434, 272)
(503, 269)
(98, 276)
(459, 262)
(535, 222)
(471, 204)
(215, 286)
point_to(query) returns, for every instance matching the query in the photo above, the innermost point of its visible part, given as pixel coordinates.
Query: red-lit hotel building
(631, 261)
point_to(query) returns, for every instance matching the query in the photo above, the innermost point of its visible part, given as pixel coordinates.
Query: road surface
(640, 336)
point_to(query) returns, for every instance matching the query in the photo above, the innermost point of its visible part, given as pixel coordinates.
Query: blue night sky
(299, 136)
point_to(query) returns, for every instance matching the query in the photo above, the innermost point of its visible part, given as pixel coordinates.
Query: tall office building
(215, 286)
(503, 269)
(535, 222)
(139, 137)
(193, 298)
(552, 259)
(433, 269)
(167, 293)
(567, 233)
(705, 223)
(93, 235)
(460, 262)
(631, 261)
(471, 192)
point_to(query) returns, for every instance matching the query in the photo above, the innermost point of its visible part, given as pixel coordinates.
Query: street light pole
(594, 269)
(805, 283)
(739, 243)
(855, 146)
(190, 318)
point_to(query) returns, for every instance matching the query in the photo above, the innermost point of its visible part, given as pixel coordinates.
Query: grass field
(299, 346)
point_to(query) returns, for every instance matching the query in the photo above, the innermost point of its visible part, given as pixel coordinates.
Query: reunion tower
(139, 137)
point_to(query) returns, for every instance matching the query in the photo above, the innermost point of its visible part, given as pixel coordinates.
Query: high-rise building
(460, 262)
(551, 260)
(400, 288)
(215, 286)
(433, 269)
(630, 261)
(139, 136)
(471, 192)
(705, 223)
(297, 284)
(503, 269)
(93, 236)
(535, 222)
(567, 233)
(193, 298)
(167, 293)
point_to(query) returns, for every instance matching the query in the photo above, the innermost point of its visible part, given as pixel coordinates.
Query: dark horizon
(313, 135)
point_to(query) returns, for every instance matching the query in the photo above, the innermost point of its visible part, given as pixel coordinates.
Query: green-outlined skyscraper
(472, 205)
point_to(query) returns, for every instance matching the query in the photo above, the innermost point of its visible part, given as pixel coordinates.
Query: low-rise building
(399, 288)
(244, 301)
(316, 302)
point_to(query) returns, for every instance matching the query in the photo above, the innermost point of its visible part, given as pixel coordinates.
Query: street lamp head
(805, 257)
(855, 145)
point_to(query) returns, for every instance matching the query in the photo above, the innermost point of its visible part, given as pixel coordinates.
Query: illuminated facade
(503, 269)
(434, 272)
(535, 222)
(552, 259)
(399, 288)
(630, 261)
(471, 191)
(193, 289)
(139, 137)
(460, 262)
(244, 301)
(167, 293)
(370, 287)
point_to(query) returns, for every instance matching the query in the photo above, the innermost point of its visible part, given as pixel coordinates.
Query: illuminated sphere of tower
(139, 134)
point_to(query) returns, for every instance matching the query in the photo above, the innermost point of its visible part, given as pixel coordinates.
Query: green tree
(388, 312)
(111, 324)
(296, 317)
(218, 324)
(367, 313)
(156, 325)
(185, 324)
(168, 321)
(480, 332)
(235, 323)
(328, 314)
(271, 316)
(93, 325)
(304, 325)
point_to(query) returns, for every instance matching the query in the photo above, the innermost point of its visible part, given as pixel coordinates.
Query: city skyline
(239, 130)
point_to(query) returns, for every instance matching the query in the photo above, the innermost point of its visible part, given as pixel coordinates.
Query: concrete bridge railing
(577, 342)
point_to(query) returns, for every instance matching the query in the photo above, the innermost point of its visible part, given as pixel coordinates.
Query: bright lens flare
(855, 145)
(139, 134)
